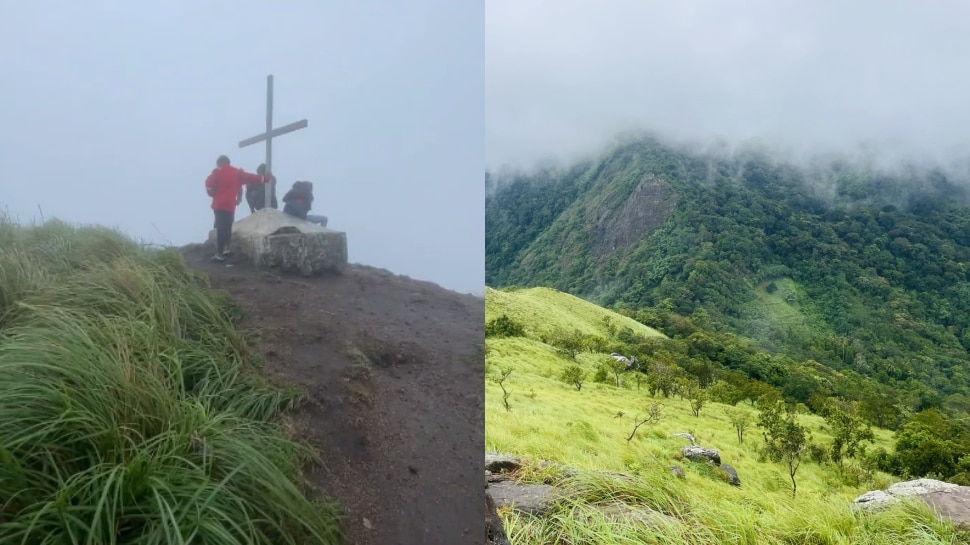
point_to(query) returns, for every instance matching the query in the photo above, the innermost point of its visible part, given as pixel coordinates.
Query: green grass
(129, 412)
(782, 313)
(545, 310)
(552, 421)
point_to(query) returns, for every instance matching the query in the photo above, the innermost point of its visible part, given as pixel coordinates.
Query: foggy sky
(114, 113)
(563, 77)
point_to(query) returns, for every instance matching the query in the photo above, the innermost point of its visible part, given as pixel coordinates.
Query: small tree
(785, 439)
(848, 432)
(640, 379)
(740, 419)
(697, 397)
(652, 415)
(504, 374)
(574, 375)
(569, 344)
(616, 368)
(610, 326)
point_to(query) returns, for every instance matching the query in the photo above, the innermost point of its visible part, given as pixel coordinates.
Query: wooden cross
(269, 134)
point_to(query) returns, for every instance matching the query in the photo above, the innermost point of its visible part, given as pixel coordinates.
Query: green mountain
(853, 267)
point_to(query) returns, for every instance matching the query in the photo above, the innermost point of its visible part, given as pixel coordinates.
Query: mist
(876, 81)
(115, 112)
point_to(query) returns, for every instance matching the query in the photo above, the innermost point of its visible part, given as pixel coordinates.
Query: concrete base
(274, 239)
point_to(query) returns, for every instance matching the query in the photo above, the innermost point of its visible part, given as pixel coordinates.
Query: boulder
(534, 499)
(701, 454)
(731, 474)
(948, 500)
(494, 529)
(274, 239)
(498, 463)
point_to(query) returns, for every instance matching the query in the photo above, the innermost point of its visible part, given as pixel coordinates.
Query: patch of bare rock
(948, 500)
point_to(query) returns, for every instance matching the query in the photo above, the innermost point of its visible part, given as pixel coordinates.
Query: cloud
(563, 77)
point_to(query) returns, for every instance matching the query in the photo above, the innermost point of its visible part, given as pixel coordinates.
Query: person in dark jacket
(298, 201)
(225, 186)
(256, 193)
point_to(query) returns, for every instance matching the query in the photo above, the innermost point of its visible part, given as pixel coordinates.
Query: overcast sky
(564, 76)
(114, 113)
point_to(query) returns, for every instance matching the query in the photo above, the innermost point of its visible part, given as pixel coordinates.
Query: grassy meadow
(587, 429)
(130, 412)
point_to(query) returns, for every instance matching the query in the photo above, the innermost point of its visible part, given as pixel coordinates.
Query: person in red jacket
(225, 186)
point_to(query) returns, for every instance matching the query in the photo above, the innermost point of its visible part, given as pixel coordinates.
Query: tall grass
(128, 412)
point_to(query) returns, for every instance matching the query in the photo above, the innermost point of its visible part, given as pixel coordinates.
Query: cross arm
(274, 133)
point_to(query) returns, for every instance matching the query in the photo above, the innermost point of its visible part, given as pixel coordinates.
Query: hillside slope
(392, 372)
(544, 310)
(536, 415)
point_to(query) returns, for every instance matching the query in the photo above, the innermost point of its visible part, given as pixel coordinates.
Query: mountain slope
(871, 265)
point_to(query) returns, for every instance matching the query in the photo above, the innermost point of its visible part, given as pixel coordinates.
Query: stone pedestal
(273, 239)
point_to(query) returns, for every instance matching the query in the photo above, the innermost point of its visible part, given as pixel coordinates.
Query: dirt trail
(394, 371)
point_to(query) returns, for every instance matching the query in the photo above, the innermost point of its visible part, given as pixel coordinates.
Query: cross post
(269, 134)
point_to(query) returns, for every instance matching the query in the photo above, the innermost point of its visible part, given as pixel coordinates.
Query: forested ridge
(831, 280)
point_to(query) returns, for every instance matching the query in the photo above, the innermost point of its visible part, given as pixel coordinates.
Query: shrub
(503, 326)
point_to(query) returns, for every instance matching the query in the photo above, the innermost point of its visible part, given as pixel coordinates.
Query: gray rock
(919, 487)
(494, 529)
(274, 239)
(534, 499)
(701, 454)
(875, 499)
(499, 463)
(678, 472)
(948, 500)
(732, 475)
(953, 504)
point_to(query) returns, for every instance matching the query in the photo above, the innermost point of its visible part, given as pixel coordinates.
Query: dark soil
(393, 369)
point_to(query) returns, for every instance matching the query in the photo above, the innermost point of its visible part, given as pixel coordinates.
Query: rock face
(949, 500)
(274, 239)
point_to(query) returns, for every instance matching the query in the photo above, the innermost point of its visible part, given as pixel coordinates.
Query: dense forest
(835, 279)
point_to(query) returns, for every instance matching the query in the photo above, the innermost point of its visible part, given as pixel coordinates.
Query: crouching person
(298, 201)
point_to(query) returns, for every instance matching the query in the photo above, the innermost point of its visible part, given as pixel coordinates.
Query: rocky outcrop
(701, 454)
(948, 500)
